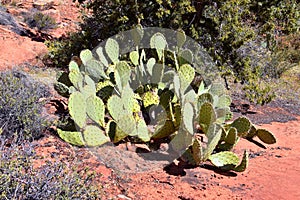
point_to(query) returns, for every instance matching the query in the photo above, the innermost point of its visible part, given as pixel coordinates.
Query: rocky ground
(273, 173)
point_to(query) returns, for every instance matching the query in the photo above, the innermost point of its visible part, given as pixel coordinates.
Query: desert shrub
(222, 27)
(20, 109)
(40, 21)
(19, 180)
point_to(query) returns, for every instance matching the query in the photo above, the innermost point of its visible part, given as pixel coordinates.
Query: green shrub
(20, 109)
(222, 27)
(19, 180)
(40, 21)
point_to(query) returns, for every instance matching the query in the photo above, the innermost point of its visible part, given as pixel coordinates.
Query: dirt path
(273, 173)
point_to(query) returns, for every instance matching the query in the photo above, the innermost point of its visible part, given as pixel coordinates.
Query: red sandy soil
(273, 173)
(16, 50)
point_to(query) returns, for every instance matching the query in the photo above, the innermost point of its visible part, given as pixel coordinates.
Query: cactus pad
(186, 74)
(134, 57)
(101, 56)
(163, 129)
(223, 101)
(122, 74)
(266, 136)
(224, 159)
(158, 42)
(197, 151)
(74, 138)
(142, 131)
(73, 66)
(96, 110)
(181, 38)
(85, 56)
(244, 164)
(217, 89)
(76, 79)
(77, 108)
(207, 116)
(112, 50)
(94, 136)
(242, 125)
(185, 57)
(137, 34)
(214, 134)
(231, 136)
(115, 106)
(188, 117)
(150, 98)
(95, 70)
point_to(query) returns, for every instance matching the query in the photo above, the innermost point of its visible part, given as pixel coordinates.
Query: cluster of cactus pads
(145, 100)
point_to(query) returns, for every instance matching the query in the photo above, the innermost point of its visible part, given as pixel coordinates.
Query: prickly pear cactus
(104, 106)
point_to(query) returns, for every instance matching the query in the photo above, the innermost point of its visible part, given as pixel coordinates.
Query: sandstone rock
(44, 4)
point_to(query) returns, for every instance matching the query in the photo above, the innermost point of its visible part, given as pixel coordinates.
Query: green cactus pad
(88, 91)
(197, 151)
(207, 116)
(96, 110)
(223, 101)
(89, 81)
(231, 136)
(115, 107)
(73, 66)
(205, 97)
(244, 164)
(158, 42)
(223, 114)
(217, 89)
(134, 57)
(62, 89)
(112, 50)
(76, 79)
(122, 74)
(188, 117)
(74, 138)
(150, 64)
(94, 136)
(128, 100)
(150, 98)
(157, 73)
(182, 140)
(137, 34)
(266, 136)
(214, 134)
(142, 131)
(190, 96)
(242, 125)
(127, 124)
(95, 70)
(85, 56)
(224, 159)
(181, 38)
(163, 129)
(77, 108)
(119, 135)
(185, 57)
(101, 56)
(186, 74)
